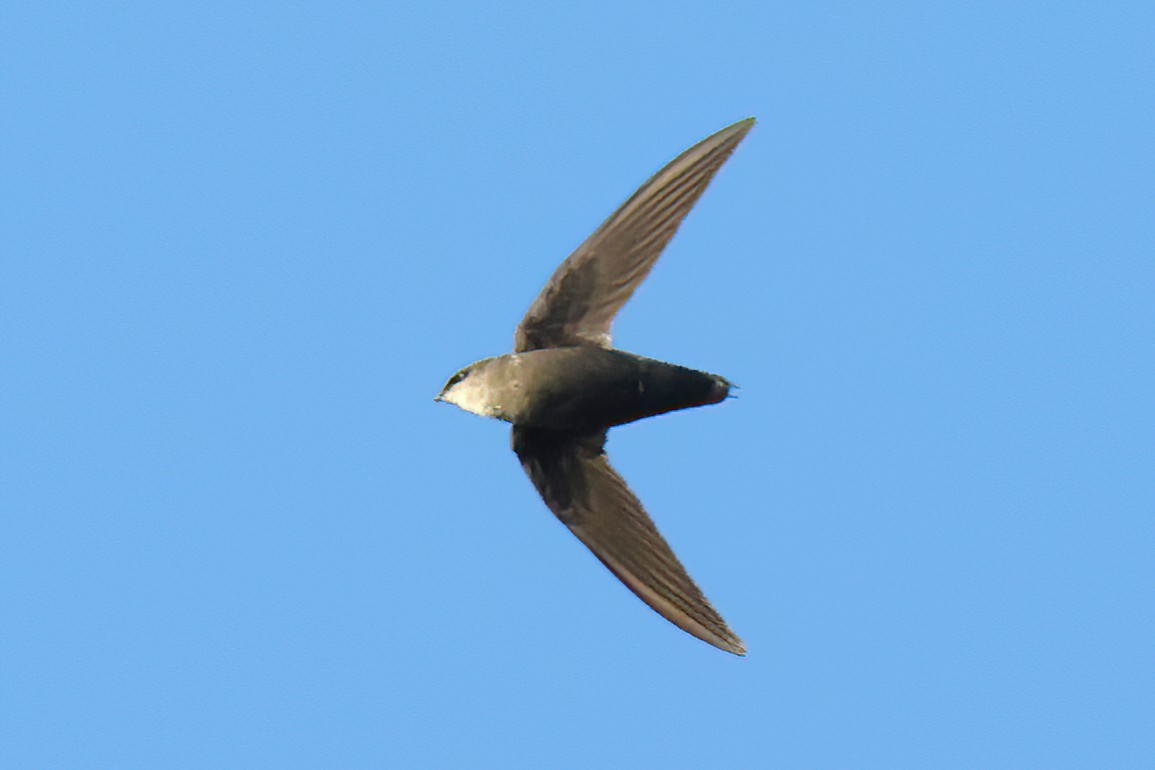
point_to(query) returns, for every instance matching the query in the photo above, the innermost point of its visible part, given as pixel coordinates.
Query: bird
(565, 385)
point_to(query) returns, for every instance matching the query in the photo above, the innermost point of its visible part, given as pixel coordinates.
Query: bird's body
(582, 388)
(565, 386)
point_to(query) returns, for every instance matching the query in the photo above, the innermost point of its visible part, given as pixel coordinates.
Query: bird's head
(470, 389)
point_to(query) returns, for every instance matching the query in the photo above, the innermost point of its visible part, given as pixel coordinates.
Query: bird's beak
(439, 396)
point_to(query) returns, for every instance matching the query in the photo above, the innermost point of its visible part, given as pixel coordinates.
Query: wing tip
(724, 639)
(736, 647)
(729, 136)
(742, 126)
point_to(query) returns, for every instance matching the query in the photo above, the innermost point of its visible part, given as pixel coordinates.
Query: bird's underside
(561, 411)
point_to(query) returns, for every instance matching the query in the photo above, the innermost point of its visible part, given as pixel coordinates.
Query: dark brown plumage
(565, 386)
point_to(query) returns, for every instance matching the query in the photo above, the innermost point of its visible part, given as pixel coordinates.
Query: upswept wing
(581, 298)
(574, 477)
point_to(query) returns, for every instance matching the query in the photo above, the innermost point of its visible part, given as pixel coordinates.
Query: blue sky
(244, 246)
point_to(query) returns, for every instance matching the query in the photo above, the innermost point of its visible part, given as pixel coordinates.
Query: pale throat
(476, 394)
